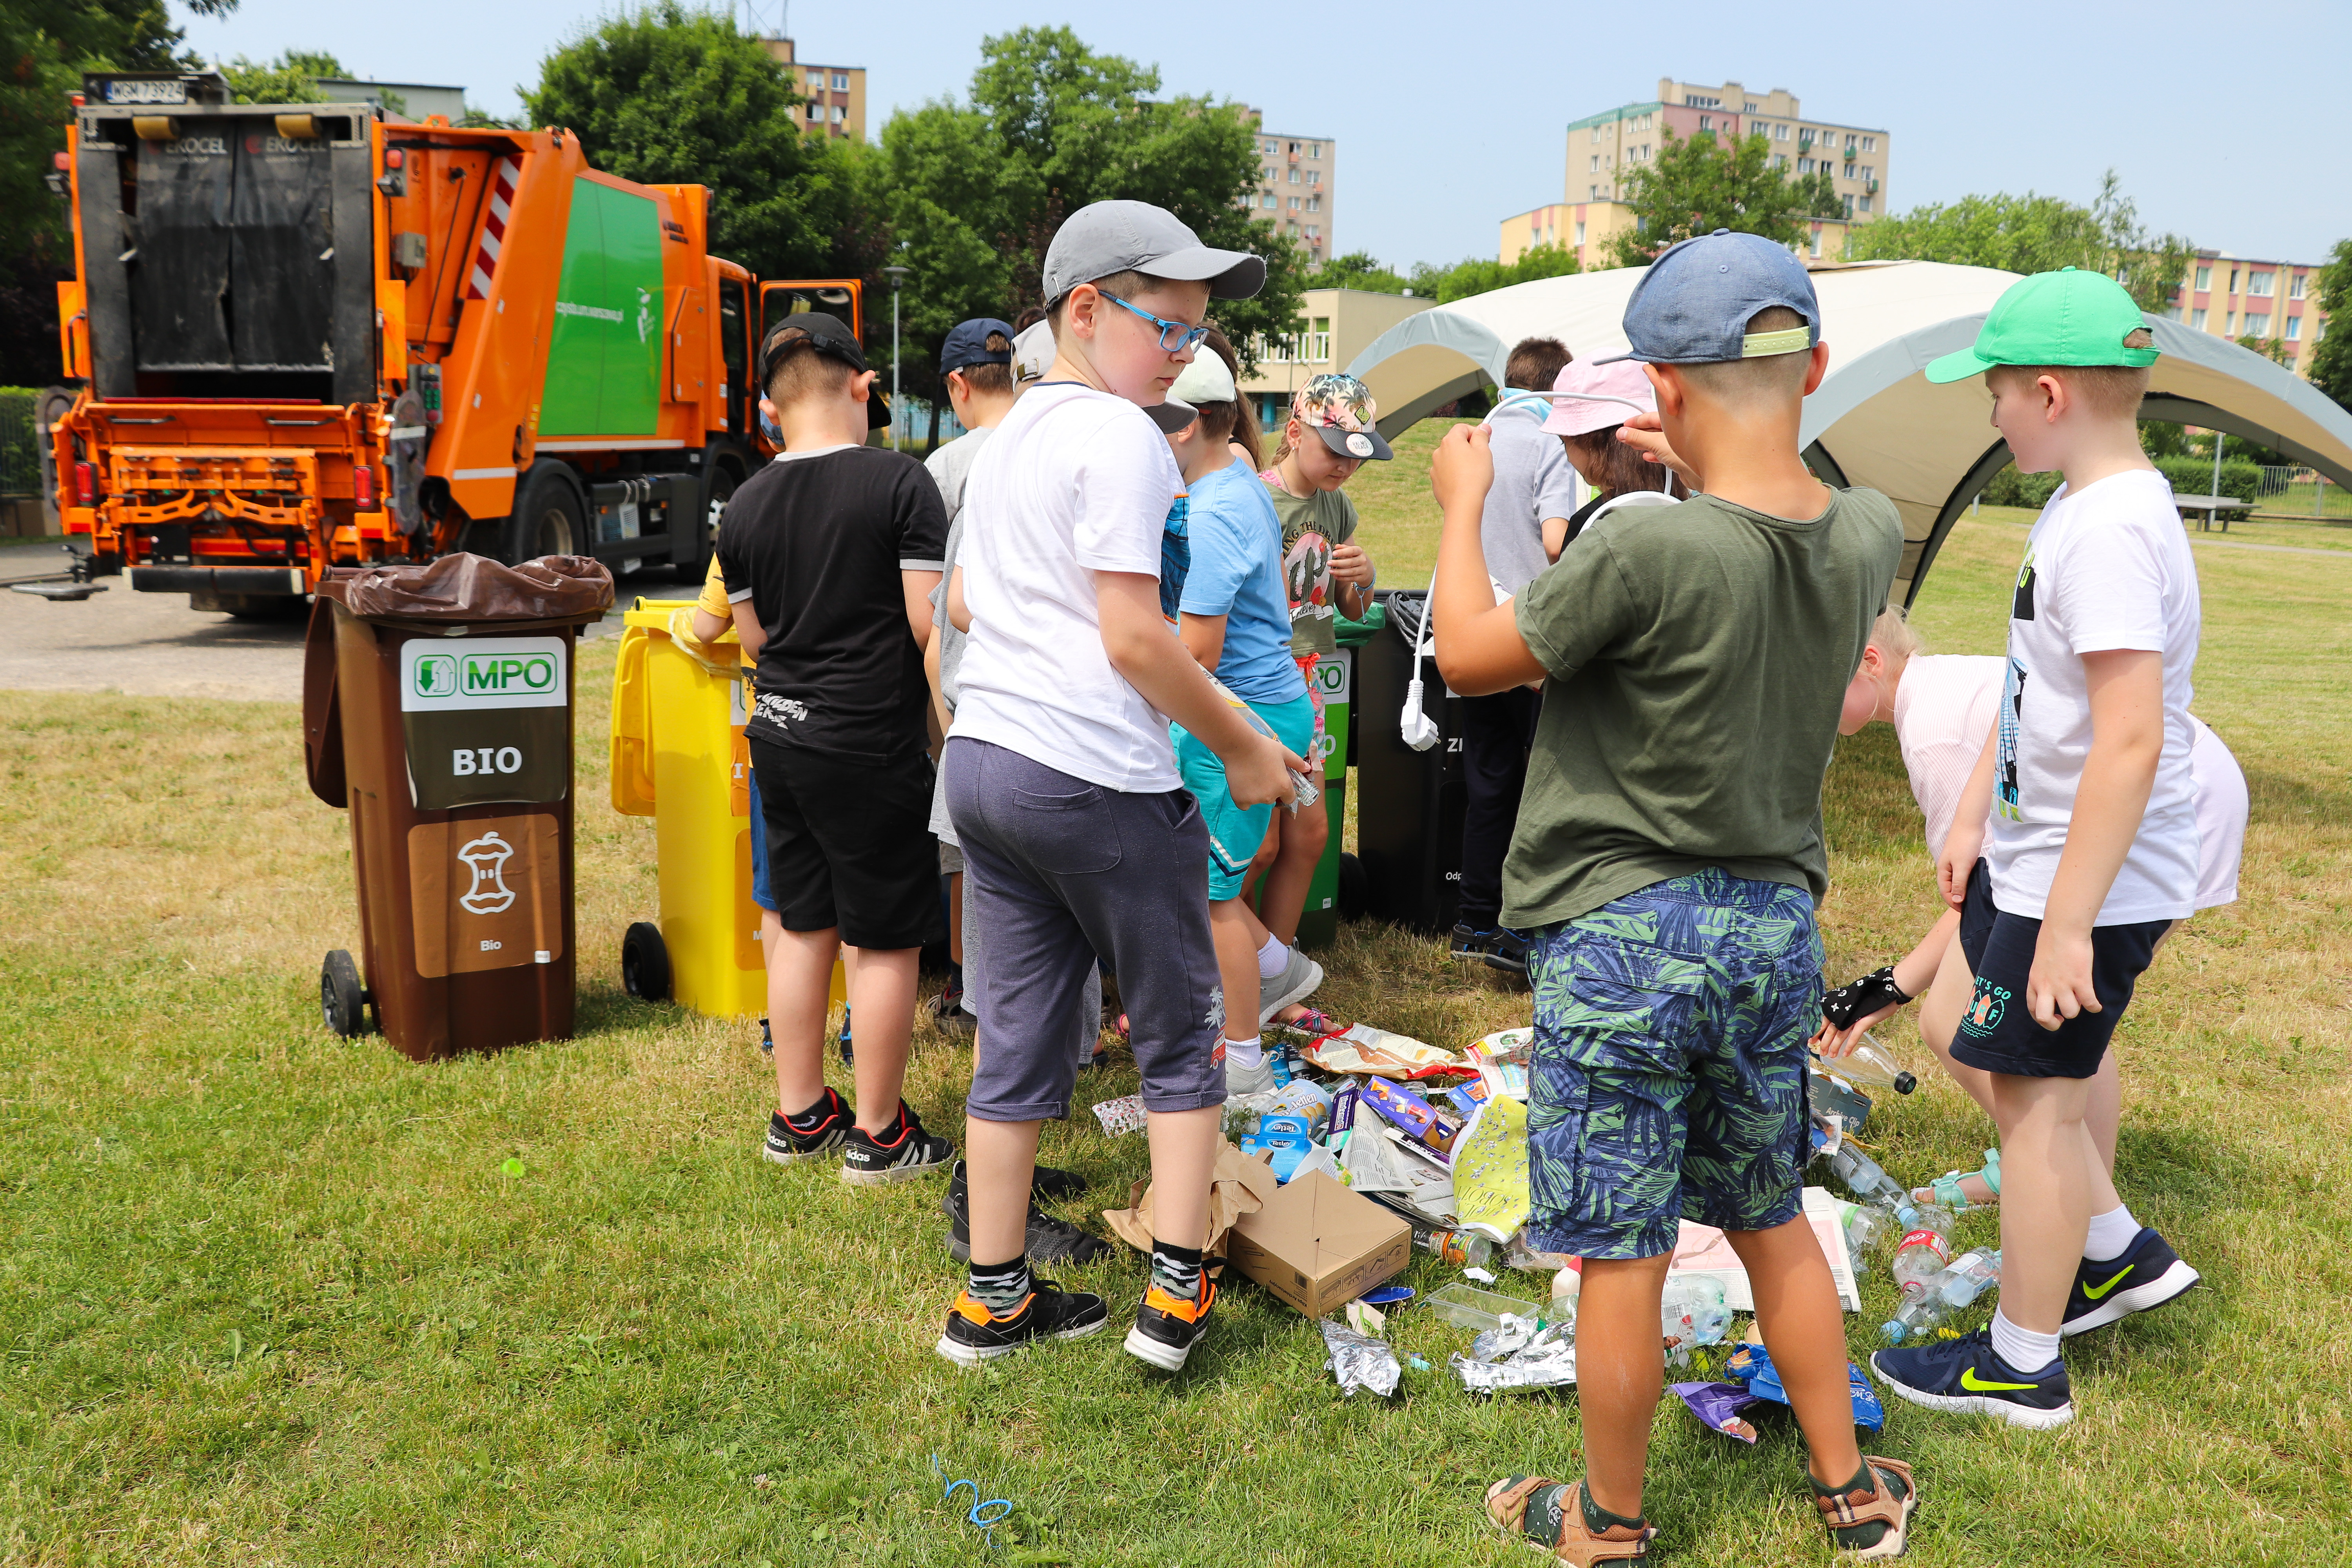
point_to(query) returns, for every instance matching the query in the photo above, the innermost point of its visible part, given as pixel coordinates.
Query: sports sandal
(1946, 1189)
(1867, 1524)
(1547, 1516)
(1312, 1021)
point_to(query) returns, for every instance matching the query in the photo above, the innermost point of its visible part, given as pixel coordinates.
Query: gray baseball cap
(1694, 304)
(1136, 237)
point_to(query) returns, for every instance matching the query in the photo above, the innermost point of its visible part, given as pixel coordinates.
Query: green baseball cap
(2067, 317)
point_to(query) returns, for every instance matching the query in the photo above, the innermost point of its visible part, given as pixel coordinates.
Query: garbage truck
(308, 336)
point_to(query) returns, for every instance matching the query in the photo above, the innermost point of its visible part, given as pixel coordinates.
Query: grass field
(271, 1297)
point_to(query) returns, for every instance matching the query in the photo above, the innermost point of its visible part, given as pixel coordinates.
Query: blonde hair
(1746, 382)
(2107, 391)
(1894, 635)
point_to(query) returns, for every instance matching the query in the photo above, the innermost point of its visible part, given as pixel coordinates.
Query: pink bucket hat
(1620, 378)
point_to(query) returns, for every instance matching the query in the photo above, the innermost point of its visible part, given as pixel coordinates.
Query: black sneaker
(1051, 1183)
(1509, 952)
(788, 1144)
(1050, 1240)
(907, 1153)
(1166, 1328)
(2148, 1274)
(947, 1014)
(1965, 1375)
(1470, 943)
(974, 1335)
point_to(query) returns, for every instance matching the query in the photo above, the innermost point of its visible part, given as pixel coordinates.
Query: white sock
(2021, 1347)
(2111, 1234)
(1273, 958)
(1246, 1054)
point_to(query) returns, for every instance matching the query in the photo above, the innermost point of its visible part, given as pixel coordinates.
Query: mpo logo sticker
(484, 672)
(1986, 1007)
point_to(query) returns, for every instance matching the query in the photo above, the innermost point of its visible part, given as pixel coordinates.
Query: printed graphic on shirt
(1985, 1009)
(1306, 575)
(2021, 606)
(779, 710)
(2013, 715)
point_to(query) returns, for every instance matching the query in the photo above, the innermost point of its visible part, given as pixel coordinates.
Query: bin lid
(1355, 634)
(462, 589)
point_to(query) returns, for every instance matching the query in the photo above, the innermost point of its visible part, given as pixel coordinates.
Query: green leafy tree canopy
(1357, 270)
(2035, 233)
(291, 77)
(2331, 357)
(665, 94)
(1705, 182)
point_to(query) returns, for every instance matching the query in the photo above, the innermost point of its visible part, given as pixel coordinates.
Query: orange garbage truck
(309, 335)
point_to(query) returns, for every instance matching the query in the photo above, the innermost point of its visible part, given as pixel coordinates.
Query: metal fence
(20, 453)
(2289, 491)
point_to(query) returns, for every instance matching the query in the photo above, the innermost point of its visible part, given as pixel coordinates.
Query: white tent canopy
(1875, 421)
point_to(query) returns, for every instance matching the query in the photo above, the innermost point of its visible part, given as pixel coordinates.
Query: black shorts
(849, 845)
(1997, 1033)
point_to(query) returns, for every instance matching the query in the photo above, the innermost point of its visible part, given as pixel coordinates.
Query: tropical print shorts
(1669, 1071)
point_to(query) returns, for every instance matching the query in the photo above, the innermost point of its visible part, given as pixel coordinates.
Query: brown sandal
(1867, 1525)
(1549, 1517)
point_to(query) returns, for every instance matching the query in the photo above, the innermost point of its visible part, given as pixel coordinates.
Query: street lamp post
(898, 277)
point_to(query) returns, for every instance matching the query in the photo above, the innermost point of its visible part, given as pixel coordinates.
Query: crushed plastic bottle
(1865, 1228)
(1925, 1250)
(1871, 1063)
(1693, 1311)
(1864, 1178)
(1953, 1291)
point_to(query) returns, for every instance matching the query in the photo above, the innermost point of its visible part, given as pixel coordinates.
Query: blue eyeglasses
(1174, 336)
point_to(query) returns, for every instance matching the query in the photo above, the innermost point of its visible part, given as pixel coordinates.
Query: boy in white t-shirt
(1078, 837)
(1942, 707)
(2092, 853)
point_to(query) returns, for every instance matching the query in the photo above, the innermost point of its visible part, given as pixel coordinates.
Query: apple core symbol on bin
(487, 857)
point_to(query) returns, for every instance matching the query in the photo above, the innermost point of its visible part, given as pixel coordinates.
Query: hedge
(2190, 476)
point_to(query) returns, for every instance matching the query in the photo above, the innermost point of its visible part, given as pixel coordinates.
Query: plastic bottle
(1925, 1250)
(1567, 1289)
(1465, 1247)
(1953, 1291)
(1865, 1228)
(1872, 1063)
(1862, 1177)
(1692, 1311)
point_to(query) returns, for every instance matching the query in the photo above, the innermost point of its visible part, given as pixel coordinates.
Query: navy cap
(1694, 304)
(967, 344)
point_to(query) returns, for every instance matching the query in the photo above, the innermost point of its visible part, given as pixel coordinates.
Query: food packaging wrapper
(1490, 1170)
(1751, 1366)
(1380, 1054)
(1548, 1360)
(1121, 1116)
(1359, 1360)
(1719, 1405)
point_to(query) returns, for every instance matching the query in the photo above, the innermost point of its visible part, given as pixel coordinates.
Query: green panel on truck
(604, 356)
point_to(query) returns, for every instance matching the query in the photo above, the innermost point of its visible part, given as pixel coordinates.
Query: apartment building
(2275, 301)
(1293, 192)
(1602, 147)
(835, 94)
(1335, 325)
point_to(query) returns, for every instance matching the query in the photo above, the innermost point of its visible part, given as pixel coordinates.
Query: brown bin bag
(448, 967)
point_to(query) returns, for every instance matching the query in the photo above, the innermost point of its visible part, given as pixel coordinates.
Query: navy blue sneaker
(2148, 1274)
(1965, 1375)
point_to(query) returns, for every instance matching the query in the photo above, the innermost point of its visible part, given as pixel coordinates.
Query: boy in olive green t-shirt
(1665, 864)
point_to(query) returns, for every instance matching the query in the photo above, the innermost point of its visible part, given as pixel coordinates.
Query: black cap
(828, 335)
(967, 344)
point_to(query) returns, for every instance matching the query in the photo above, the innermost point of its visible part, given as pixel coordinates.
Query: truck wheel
(546, 519)
(342, 1002)
(645, 962)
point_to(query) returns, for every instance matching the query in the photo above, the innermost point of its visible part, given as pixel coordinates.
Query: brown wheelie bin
(436, 708)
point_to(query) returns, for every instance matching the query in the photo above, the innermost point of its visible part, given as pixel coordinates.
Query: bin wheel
(342, 1001)
(645, 962)
(1354, 889)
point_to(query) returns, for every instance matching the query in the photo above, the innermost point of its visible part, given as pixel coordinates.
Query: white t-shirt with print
(1944, 709)
(1075, 481)
(2105, 570)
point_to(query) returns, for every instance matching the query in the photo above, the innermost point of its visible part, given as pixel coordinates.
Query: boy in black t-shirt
(830, 554)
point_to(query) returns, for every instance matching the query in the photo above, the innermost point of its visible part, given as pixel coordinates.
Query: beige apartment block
(1335, 325)
(2275, 302)
(1293, 190)
(835, 94)
(1602, 147)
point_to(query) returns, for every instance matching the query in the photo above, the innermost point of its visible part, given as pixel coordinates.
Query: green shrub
(2241, 477)
(2009, 487)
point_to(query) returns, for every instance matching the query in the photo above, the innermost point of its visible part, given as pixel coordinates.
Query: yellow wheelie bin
(679, 756)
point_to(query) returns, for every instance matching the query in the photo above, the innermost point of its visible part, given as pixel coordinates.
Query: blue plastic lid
(1386, 1295)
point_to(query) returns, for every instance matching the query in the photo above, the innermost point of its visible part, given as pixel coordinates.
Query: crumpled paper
(1375, 1164)
(1359, 1360)
(1548, 1360)
(1237, 1185)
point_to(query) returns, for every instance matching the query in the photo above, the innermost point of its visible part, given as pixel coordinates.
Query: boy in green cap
(2092, 852)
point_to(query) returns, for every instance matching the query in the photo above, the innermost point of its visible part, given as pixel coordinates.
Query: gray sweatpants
(1056, 871)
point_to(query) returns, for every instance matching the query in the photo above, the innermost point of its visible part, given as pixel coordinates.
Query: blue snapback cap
(967, 344)
(1694, 305)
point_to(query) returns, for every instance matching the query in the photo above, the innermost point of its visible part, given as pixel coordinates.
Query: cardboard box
(1317, 1246)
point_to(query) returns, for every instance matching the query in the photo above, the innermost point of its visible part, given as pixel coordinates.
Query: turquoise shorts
(1236, 831)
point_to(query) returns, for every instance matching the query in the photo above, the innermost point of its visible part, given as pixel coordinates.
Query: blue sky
(1450, 120)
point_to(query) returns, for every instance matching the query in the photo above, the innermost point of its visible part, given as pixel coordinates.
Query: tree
(967, 194)
(1698, 186)
(2035, 233)
(1480, 275)
(668, 95)
(2331, 357)
(291, 77)
(1357, 270)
